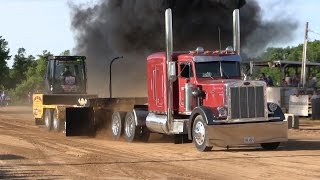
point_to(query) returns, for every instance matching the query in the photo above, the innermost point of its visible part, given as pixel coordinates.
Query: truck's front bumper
(247, 133)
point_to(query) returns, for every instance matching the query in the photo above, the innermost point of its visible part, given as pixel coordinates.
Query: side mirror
(172, 71)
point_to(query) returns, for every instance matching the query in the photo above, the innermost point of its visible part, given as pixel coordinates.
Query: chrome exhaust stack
(171, 68)
(236, 31)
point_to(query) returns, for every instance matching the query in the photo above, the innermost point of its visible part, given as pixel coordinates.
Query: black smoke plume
(135, 28)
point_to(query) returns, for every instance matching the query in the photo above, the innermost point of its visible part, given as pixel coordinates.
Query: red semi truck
(196, 95)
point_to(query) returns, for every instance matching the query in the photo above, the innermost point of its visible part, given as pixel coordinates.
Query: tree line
(28, 72)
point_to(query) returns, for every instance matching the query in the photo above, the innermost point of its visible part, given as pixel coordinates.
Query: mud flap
(79, 121)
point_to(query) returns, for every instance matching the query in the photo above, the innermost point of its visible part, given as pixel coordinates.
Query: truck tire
(131, 131)
(57, 123)
(144, 134)
(199, 134)
(270, 146)
(48, 119)
(117, 124)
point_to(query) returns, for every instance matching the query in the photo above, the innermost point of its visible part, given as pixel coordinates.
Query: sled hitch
(79, 121)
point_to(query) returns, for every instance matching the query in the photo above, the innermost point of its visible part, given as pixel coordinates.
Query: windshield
(69, 68)
(217, 69)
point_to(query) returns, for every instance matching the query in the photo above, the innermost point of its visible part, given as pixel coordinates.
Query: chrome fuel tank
(156, 123)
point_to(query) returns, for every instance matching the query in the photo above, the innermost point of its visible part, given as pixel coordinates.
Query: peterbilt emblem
(82, 101)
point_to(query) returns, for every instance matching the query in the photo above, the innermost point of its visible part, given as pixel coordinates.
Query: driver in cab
(66, 72)
(68, 77)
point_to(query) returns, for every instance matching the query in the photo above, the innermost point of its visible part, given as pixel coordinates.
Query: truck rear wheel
(131, 130)
(270, 146)
(144, 134)
(199, 134)
(48, 119)
(56, 122)
(117, 124)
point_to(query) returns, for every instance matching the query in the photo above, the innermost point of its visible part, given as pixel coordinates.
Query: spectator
(313, 81)
(3, 98)
(269, 81)
(315, 95)
(296, 80)
(263, 78)
(288, 80)
(284, 83)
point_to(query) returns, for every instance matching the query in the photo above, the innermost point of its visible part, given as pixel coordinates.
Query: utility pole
(304, 57)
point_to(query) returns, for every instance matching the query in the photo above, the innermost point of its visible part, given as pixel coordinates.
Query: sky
(38, 25)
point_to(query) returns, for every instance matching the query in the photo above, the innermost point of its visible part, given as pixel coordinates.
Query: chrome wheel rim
(47, 119)
(199, 133)
(129, 126)
(115, 125)
(55, 121)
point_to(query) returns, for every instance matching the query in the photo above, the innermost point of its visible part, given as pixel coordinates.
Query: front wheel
(199, 134)
(270, 146)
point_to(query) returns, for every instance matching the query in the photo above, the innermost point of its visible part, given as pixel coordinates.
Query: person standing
(313, 81)
(269, 81)
(263, 78)
(3, 98)
(288, 80)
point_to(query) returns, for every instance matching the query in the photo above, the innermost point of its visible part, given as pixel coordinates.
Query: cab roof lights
(200, 50)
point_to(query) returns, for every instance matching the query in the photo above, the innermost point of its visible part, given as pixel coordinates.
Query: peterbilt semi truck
(194, 95)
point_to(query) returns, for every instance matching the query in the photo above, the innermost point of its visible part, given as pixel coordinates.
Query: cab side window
(186, 70)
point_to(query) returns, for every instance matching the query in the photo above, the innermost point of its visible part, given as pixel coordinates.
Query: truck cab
(66, 75)
(207, 78)
(204, 74)
(209, 97)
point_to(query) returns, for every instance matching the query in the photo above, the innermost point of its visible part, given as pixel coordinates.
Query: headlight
(223, 111)
(273, 107)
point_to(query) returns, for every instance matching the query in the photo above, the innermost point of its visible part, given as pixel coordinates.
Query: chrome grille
(246, 102)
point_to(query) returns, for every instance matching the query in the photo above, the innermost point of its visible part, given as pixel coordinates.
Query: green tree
(20, 66)
(4, 57)
(313, 51)
(65, 53)
(35, 76)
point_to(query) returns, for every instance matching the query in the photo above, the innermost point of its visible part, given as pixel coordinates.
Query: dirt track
(30, 152)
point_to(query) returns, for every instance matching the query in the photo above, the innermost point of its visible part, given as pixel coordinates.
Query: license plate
(248, 140)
